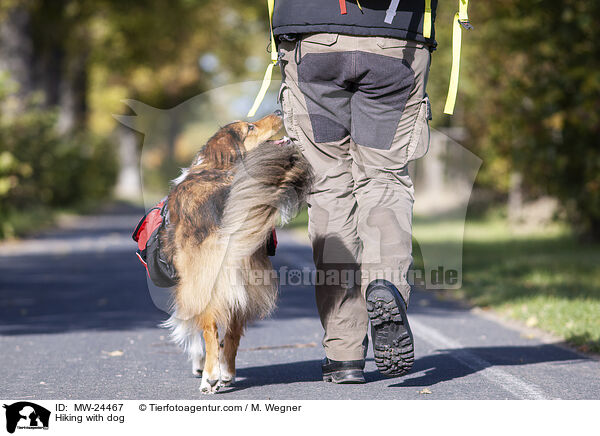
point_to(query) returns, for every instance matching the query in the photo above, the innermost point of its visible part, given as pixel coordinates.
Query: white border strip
(515, 386)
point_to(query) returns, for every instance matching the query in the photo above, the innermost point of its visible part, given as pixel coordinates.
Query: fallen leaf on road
(531, 321)
(425, 391)
(115, 353)
(584, 348)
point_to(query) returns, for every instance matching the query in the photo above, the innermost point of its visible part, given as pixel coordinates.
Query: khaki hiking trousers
(357, 108)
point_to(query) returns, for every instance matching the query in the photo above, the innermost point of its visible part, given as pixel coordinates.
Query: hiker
(354, 99)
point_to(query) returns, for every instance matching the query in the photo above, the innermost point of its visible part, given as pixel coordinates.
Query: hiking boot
(392, 339)
(343, 372)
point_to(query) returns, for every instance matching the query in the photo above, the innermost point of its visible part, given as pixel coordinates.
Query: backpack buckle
(466, 24)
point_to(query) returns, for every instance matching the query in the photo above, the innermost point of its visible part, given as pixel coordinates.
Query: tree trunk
(73, 105)
(16, 55)
(515, 199)
(129, 181)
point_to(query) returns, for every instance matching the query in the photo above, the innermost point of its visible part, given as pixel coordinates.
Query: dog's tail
(270, 183)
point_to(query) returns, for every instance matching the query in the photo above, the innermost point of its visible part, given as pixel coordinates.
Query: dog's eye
(251, 127)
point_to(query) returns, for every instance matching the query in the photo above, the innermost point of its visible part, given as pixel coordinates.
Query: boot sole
(392, 343)
(348, 376)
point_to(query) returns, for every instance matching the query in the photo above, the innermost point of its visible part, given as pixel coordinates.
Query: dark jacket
(292, 17)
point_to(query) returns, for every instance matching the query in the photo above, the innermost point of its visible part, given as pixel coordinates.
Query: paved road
(77, 321)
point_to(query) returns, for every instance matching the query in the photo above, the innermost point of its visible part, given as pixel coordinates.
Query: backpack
(461, 20)
(146, 234)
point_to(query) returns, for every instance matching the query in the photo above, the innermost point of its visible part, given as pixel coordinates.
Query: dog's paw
(208, 387)
(227, 375)
(197, 365)
(226, 381)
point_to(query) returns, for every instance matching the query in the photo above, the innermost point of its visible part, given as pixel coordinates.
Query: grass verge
(543, 277)
(31, 221)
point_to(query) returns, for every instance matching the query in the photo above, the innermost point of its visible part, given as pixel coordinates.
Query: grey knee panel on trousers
(355, 92)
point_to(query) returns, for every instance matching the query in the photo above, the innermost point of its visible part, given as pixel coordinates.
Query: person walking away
(354, 99)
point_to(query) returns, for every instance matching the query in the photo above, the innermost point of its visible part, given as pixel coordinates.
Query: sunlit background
(106, 99)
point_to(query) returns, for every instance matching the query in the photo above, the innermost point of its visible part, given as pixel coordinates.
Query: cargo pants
(358, 109)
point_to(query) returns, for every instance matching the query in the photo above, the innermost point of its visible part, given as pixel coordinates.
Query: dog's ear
(223, 149)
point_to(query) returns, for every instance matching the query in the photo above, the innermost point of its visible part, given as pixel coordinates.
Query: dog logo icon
(26, 415)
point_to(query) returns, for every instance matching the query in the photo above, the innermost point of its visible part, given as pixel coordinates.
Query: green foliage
(531, 99)
(41, 168)
(544, 277)
(155, 46)
(81, 58)
(529, 94)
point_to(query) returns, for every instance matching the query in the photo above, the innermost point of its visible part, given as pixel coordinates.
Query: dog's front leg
(211, 373)
(229, 351)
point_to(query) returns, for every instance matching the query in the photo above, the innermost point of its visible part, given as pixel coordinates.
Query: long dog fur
(222, 213)
(269, 180)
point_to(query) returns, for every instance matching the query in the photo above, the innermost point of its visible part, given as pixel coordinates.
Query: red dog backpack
(146, 234)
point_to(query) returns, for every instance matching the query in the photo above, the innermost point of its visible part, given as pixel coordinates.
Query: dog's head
(234, 140)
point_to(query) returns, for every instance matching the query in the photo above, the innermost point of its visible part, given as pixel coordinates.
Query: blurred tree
(81, 57)
(66, 64)
(530, 99)
(16, 52)
(153, 47)
(45, 51)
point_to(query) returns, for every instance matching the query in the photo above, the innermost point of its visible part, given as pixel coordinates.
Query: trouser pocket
(418, 143)
(289, 122)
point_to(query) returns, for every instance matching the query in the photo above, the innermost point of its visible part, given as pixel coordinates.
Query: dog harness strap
(269, 73)
(461, 19)
(343, 10)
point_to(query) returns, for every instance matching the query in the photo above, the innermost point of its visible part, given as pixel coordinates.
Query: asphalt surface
(77, 321)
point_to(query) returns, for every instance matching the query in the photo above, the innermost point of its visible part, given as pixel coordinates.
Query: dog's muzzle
(282, 142)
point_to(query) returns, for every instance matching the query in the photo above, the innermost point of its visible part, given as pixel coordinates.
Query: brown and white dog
(222, 209)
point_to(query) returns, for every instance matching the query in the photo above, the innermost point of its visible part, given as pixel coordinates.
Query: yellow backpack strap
(427, 20)
(267, 79)
(461, 18)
